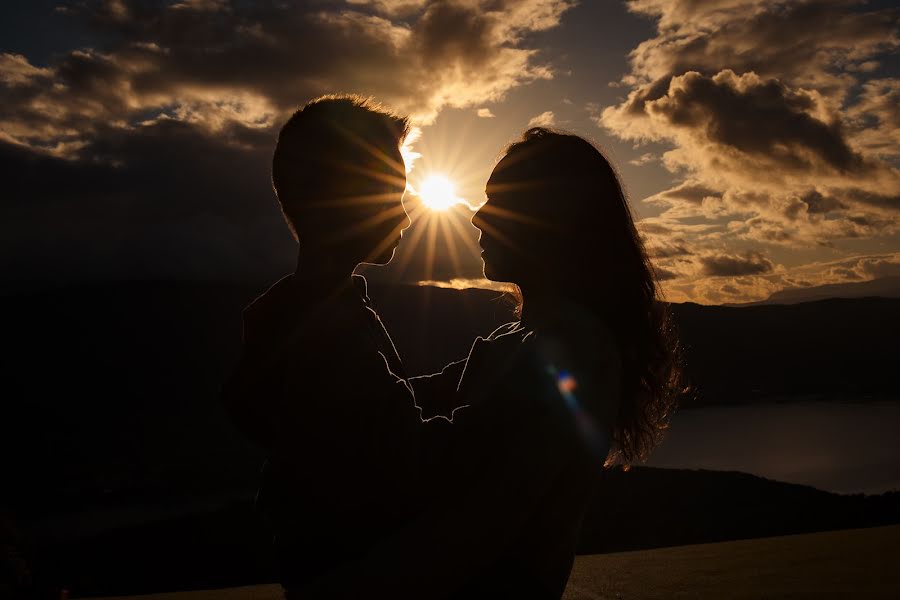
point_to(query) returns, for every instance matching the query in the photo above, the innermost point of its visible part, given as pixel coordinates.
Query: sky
(758, 140)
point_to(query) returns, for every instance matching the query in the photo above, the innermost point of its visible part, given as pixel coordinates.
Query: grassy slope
(854, 563)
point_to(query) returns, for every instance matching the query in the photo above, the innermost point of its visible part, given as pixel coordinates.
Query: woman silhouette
(558, 225)
(588, 376)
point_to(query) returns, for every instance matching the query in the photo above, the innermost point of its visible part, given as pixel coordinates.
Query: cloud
(254, 62)
(545, 119)
(146, 153)
(643, 159)
(778, 132)
(485, 113)
(458, 283)
(399, 8)
(166, 200)
(200, 5)
(875, 119)
(751, 263)
(688, 191)
(733, 128)
(739, 286)
(813, 43)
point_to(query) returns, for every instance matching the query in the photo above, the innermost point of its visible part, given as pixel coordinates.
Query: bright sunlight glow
(438, 193)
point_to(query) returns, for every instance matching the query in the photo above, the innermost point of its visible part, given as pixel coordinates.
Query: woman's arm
(436, 394)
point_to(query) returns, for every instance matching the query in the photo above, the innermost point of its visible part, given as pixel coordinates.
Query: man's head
(339, 177)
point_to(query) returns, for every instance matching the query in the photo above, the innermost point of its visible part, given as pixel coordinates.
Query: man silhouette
(320, 385)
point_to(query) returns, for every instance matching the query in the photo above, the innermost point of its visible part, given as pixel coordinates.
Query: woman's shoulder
(582, 356)
(579, 332)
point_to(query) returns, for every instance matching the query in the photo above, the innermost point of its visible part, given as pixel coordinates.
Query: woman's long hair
(591, 253)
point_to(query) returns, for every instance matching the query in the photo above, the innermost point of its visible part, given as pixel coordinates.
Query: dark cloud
(689, 192)
(746, 124)
(210, 62)
(886, 201)
(818, 203)
(809, 41)
(668, 250)
(760, 118)
(726, 265)
(176, 202)
(663, 274)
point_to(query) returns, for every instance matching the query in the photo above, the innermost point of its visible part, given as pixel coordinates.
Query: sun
(438, 193)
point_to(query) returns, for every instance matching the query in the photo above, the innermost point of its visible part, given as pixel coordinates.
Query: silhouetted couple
(369, 498)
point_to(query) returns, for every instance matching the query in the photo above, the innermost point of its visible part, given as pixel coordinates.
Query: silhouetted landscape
(164, 162)
(124, 475)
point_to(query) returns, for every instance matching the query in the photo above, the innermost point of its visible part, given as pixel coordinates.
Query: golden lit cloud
(768, 147)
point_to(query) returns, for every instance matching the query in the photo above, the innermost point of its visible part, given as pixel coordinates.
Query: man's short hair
(333, 138)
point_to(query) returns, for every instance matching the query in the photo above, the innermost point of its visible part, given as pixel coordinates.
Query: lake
(844, 447)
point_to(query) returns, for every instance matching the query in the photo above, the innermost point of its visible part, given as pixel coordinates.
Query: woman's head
(557, 224)
(554, 202)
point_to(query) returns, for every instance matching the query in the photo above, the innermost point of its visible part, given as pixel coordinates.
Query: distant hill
(884, 287)
(653, 508)
(836, 348)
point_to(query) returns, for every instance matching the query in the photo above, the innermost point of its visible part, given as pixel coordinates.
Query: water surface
(844, 447)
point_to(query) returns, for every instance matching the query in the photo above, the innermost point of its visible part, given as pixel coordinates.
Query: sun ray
(372, 221)
(495, 233)
(467, 237)
(514, 187)
(398, 167)
(395, 180)
(451, 229)
(355, 200)
(451, 244)
(430, 248)
(505, 213)
(418, 231)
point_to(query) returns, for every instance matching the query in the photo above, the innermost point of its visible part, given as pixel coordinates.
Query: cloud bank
(781, 132)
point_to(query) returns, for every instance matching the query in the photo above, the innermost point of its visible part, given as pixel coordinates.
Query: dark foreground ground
(121, 474)
(855, 563)
(219, 542)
